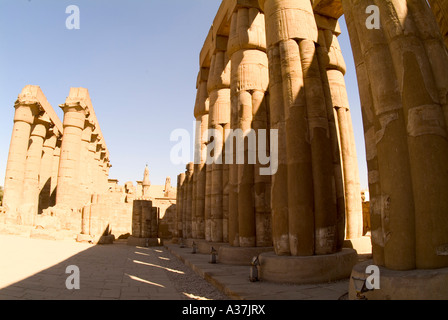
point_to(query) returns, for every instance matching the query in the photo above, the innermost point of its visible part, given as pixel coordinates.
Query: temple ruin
(57, 179)
(273, 64)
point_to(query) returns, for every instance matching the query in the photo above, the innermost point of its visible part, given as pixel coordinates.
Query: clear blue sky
(138, 58)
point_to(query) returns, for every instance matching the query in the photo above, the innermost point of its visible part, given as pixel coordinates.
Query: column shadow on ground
(114, 272)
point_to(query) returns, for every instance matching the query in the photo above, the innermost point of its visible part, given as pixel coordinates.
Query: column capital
(50, 140)
(201, 106)
(181, 179)
(287, 20)
(220, 70)
(189, 170)
(90, 123)
(55, 131)
(26, 101)
(26, 110)
(74, 115)
(69, 106)
(247, 4)
(41, 125)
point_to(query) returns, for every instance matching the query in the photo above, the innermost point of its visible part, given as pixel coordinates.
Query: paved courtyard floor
(36, 269)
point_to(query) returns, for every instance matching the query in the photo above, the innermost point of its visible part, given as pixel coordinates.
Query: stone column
(30, 202)
(105, 173)
(92, 162)
(180, 204)
(188, 196)
(86, 163)
(440, 9)
(218, 86)
(207, 202)
(68, 176)
(85, 223)
(225, 187)
(333, 69)
(249, 82)
(194, 225)
(100, 168)
(46, 169)
(26, 111)
(304, 201)
(201, 112)
(97, 165)
(401, 72)
(55, 170)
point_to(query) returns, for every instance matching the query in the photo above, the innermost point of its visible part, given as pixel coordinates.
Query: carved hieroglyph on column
(218, 86)
(401, 71)
(306, 217)
(201, 113)
(250, 223)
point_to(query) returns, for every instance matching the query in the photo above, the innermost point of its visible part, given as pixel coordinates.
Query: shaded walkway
(35, 269)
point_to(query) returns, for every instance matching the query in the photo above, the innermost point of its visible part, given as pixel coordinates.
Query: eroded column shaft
(401, 88)
(15, 169)
(309, 223)
(201, 112)
(29, 207)
(218, 86)
(46, 169)
(249, 83)
(68, 175)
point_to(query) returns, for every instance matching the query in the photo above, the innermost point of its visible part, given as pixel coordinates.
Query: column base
(307, 270)
(241, 256)
(403, 285)
(362, 245)
(144, 242)
(205, 247)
